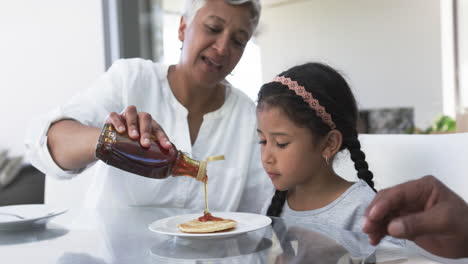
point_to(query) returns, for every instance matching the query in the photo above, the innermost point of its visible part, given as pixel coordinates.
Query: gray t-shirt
(346, 212)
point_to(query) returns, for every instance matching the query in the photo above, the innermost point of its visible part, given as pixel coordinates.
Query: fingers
(145, 123)
(389, 204)
(378, 214)
(436, 220)
(408, 197)
(140, 125)
(131, 117)
(375, 238)
(116, 120)
(375, 230)
(161, 135)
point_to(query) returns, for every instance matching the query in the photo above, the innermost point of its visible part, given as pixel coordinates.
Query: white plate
(245, 223)
(33, 214)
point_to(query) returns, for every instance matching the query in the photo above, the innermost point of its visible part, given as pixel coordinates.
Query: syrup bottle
(155, 162)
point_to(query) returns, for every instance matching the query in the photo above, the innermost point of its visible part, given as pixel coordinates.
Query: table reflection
(34, 234)
(245, 248)
(303, 239)
(122, 236)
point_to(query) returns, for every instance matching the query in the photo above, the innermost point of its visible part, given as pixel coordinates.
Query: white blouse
(238, 183)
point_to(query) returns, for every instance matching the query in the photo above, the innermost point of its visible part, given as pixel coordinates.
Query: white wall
(389, 50)
(463, 50)
(49, 50)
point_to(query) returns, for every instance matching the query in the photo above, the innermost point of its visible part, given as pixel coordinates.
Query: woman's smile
(211, 64)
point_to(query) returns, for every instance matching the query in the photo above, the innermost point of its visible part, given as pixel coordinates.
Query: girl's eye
(282, 145)
(262, 142)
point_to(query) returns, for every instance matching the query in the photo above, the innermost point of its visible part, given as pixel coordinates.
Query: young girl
(305, 116)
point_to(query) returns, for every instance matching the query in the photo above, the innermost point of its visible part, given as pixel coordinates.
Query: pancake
(197, 226)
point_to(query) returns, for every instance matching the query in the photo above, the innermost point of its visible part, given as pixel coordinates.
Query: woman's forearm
(72, 144)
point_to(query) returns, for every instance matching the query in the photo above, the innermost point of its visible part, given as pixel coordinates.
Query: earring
(326, 159)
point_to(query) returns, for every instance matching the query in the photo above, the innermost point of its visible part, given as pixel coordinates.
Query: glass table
(107, 236)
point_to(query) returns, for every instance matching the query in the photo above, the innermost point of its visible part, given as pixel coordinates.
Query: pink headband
(308, 98)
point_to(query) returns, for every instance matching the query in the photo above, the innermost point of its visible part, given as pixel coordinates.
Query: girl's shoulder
(360, 192)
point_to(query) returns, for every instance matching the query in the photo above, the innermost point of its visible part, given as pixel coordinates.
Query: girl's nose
(267, 156)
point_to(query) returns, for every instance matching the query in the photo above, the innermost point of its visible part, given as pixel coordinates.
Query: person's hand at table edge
(424, 211)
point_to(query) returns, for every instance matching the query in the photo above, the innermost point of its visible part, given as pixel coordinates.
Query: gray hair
(192, 6)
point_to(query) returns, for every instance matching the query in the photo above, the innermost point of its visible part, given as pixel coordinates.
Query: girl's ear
(333, 141)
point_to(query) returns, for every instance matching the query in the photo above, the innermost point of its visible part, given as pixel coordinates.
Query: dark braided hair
(277, 203)
(333, 92)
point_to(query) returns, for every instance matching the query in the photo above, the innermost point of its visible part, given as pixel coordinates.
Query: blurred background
(406, 60)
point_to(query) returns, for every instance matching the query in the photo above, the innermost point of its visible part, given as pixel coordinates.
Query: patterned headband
(308, 98)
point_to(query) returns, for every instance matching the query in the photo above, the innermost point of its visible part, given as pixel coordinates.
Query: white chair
(394, 159)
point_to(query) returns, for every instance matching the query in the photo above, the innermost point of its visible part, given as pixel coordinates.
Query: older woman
(201, 113)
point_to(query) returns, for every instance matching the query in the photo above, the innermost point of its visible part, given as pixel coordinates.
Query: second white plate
(29, 215)
(246, 222)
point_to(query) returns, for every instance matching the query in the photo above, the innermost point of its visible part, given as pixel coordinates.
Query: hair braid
(277, 203)
(360, 164)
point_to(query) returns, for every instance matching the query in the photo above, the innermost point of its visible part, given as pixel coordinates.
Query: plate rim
(267, 222)
(20, 222)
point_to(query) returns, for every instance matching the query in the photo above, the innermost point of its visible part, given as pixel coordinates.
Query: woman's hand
(138, 125)
(72, 145)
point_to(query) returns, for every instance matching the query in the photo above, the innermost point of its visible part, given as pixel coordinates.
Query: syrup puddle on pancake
(207, 223)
